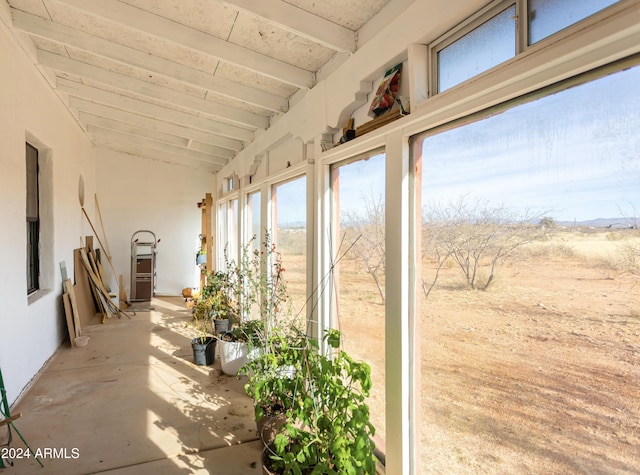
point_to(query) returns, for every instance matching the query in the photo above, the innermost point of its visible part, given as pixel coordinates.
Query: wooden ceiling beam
(128, 83)
(300, 22)
(83, 105)
(155, 25)
(161, 155)
(46, 29)
(152, 144)
(140, 107)
(88, 119)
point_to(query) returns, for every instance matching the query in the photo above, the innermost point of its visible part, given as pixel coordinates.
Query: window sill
(37, 295)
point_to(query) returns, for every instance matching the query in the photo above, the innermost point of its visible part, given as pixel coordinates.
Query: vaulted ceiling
(187, 81)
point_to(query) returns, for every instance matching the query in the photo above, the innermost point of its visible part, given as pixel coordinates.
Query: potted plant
(204, 344)
(261, 300)
(239, 344)
(327, 429)
(217, 297)
(272, 381)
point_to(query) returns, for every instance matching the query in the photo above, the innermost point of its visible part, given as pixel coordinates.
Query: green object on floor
(6, 417)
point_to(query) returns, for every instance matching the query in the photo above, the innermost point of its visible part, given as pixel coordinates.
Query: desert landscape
(540, 373)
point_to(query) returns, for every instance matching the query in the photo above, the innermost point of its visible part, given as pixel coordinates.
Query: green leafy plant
(219, 294)
(249, 331)
(328, 430)
(202, 321)
(272, 381)
(215, 302)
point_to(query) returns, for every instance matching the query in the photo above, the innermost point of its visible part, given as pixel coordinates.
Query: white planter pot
(233, 356)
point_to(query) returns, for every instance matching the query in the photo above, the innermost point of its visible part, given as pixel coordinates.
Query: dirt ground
(538, 374)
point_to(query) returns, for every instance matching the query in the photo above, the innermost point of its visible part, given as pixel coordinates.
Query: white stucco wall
(29, 110)
(140, 194)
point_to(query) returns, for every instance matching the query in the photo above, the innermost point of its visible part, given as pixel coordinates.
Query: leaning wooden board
(86, 305)
(68, 287)
(69, 314)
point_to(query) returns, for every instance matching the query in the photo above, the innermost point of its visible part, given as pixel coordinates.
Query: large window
(358, 249)
(289, 208)
(33, 220)
(530, 312)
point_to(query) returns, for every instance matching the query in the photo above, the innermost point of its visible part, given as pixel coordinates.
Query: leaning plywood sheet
(86, 304)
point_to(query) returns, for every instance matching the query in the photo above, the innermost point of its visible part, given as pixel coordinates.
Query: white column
(400, 310)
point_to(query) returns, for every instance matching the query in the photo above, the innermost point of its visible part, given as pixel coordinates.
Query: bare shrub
(629, 255)
(479, 237)
(365, 229)
(629, 250)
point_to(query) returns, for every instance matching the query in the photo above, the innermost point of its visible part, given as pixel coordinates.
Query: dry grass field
(538, 374)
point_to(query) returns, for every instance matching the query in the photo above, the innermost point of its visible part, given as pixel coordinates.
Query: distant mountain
(598, 223)
(293, 225)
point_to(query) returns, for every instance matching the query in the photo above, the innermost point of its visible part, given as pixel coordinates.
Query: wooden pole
(108, 251)
(101, 245)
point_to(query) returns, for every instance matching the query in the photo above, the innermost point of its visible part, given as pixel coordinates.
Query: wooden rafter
(158, 26)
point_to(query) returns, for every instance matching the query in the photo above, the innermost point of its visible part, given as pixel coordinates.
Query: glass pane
(33, 258)
(32, 182)
(531, 267)
(253, 219)
(358, 247)
(490, 44)
(550, 16)
(222, 235)
(232, 232)
(289, 202)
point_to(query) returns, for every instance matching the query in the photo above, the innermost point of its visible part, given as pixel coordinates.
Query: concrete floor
(132, 402)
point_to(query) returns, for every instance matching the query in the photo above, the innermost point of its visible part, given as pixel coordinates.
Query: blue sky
(576, 153)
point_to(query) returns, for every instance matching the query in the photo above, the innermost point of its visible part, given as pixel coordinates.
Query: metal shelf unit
(143, 265)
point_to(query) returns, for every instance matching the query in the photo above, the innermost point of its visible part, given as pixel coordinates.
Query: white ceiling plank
(208, 148)
(158, 26)
(92, 120)
(152, 110)
(160, 155)
(300, 22)
(121, 81)
(152, 144)
(83, 105)
(182, 142)
(89, 120)
(43, 28)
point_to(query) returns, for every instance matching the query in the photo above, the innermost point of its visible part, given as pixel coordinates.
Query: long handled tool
(101, 244)
(7, 419)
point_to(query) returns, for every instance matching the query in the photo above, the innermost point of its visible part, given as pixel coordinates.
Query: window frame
(522, 43)
(33, 223)
(332, 319)
(470, 24)
(416, 134)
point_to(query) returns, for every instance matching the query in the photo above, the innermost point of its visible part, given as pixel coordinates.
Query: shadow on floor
(132, 401)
